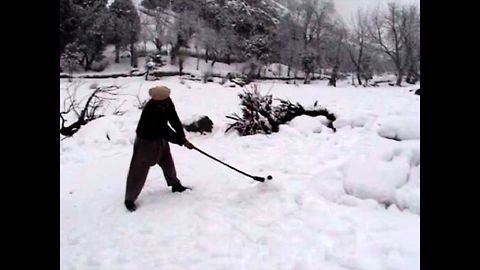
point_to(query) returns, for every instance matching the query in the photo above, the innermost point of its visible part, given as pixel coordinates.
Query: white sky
(346, 8)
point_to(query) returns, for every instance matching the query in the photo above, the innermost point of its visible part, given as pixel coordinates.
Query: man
(152, 144)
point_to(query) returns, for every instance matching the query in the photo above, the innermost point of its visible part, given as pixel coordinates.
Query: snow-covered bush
(259, 116)
(286, 111)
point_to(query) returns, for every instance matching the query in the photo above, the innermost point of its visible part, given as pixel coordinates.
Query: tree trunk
(174, 52)
(133, 58)
(117, 54)
(70, 72)
(399, 78)
(229, 60)
(214, 59)
(412, 76)
(82, 61)
(88, 63)
(359, 78)
(206, 55)
(180, 66)
(158, 45)
(198, 56)
(307, 78)
(333, 77)
(332, 81)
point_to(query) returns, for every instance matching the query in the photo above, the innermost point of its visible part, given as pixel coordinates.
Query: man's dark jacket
(153, 122)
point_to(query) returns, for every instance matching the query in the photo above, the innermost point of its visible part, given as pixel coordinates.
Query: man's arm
(176, 124)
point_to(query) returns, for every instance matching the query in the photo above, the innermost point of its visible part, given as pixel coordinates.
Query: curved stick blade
(258, 178)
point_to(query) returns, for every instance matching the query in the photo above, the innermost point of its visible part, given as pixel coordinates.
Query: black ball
(269, 177)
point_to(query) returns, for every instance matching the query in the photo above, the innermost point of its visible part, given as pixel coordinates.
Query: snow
(403, 127)
(306, 125)
(408, 196)
(324, 208)
(379, 184)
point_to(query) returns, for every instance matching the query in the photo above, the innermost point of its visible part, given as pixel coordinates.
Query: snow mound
(375, 179)
(306, 124)
(351, 121)
(404, 127)
(408, 196)
(105, 129)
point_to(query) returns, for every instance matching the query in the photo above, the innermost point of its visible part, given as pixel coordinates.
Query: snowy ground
(344, 200)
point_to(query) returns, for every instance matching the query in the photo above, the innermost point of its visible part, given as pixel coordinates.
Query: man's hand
(188, 144)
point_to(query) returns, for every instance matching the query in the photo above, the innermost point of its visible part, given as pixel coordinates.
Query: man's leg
(168, 166)
(139, 167)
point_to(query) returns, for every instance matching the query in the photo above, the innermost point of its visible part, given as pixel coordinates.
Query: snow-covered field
(343, 200)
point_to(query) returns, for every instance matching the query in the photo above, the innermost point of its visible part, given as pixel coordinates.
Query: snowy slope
(344, 200)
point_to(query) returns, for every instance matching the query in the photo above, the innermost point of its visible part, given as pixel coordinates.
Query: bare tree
(124, 28)
(84, 112)
(289, 41)
(357, 43)
(144, 35)
(305, 13)
(387, 32)
(215, 44)
(183, 29)
(157, 23)
(410, 29)
(316, 19)
(326, 27)
(339, 33)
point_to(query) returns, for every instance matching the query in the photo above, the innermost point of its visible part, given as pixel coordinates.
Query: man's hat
(159, 92)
